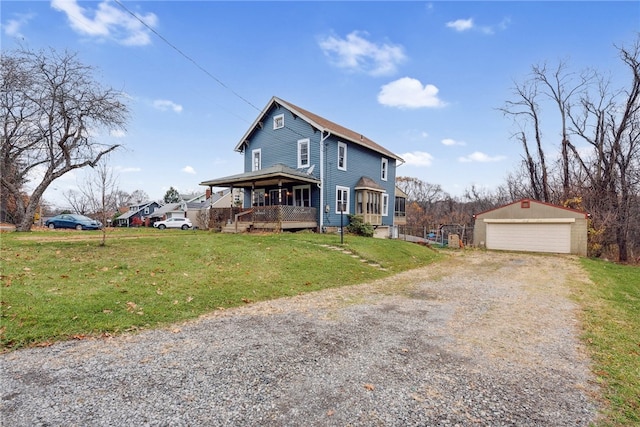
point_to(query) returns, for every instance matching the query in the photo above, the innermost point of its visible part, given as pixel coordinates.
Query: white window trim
(300, 187)
(385, 204)
(275, 121)
(256, 197)
(253, 158)
(342, 144)
(384, 169)
(302, 142)
(348, 191)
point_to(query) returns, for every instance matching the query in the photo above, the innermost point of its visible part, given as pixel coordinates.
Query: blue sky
(423, 79)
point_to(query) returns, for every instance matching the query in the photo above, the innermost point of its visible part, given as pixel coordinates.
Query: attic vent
(525, 204)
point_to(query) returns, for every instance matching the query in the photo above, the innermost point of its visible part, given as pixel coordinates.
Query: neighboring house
(137, 214)
(170, 210)
(199, 208)
(304, 171)
(532, 226)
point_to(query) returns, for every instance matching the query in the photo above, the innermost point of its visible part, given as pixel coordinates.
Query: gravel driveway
(486, 339)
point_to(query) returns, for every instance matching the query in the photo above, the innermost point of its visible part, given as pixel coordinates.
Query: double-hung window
(302, 195)
(303, 153)
(385, 204)
(384, 169)
(278, 121)
(342, 199)
(256, 159)
(342, 156)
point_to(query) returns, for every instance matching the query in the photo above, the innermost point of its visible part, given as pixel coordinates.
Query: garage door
(554, 238)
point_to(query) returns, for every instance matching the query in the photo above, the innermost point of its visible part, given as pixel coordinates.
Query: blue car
(79, 222)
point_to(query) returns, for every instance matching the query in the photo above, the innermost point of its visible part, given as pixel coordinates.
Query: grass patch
(57, 285)
(611, 316)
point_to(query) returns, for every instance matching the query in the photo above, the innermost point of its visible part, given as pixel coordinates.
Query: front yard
(59, 285)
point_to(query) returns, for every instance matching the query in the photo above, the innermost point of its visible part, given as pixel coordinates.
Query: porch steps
(231, 227)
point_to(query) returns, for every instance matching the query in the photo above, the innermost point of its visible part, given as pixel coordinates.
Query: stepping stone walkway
(353, 255)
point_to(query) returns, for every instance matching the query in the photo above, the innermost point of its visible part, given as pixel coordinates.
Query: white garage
(532, 226)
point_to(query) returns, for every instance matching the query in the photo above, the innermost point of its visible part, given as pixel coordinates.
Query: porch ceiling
(271, 176)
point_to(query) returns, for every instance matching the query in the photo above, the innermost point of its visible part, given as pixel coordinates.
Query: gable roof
(586, 214)
(169, 207)
(137, 208)
(319, 123)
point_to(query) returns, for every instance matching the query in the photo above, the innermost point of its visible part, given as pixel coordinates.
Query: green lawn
(611, 317)
(58, 284)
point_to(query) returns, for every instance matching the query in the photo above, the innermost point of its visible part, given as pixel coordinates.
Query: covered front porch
(275, 198)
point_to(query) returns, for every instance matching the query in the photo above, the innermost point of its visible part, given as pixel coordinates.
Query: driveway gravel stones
(481, 339)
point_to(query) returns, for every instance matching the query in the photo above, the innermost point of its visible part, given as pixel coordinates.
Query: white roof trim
(529, 220)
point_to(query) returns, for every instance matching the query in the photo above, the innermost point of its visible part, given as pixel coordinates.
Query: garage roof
(526, 203)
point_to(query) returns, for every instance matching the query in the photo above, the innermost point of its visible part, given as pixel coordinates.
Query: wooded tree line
(593, 165)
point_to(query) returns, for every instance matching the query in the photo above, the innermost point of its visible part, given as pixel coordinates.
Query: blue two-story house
(304, 171)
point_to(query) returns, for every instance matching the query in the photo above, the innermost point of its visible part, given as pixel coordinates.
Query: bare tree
(51, 110)
(139, 196)
(526, 107)
(601, 177)
(104, 191)
(561, 87)
(609, 123)
(78, 201)
(420, 191)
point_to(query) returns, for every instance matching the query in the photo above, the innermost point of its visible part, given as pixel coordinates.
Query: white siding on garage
(529, 237)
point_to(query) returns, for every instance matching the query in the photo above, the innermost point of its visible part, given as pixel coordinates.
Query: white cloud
(355, 53)
(107, 22)
(461, 24)
(409, 93)
(504, 24)
(118, 133)
(189, 169)
(417, 158)
(415, 135)
(122, 169)
(164, 105)
(480, 157)
(450, 142)
(13, 27)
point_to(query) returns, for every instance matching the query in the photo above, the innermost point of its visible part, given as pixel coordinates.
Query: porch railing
(273, 217)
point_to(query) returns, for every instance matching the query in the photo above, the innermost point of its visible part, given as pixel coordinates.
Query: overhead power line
(187, 57)
(200, 67)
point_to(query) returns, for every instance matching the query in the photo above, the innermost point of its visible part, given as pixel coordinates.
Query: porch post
(232, 218)
(279, 205)
(210, 209)
(279, 192)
